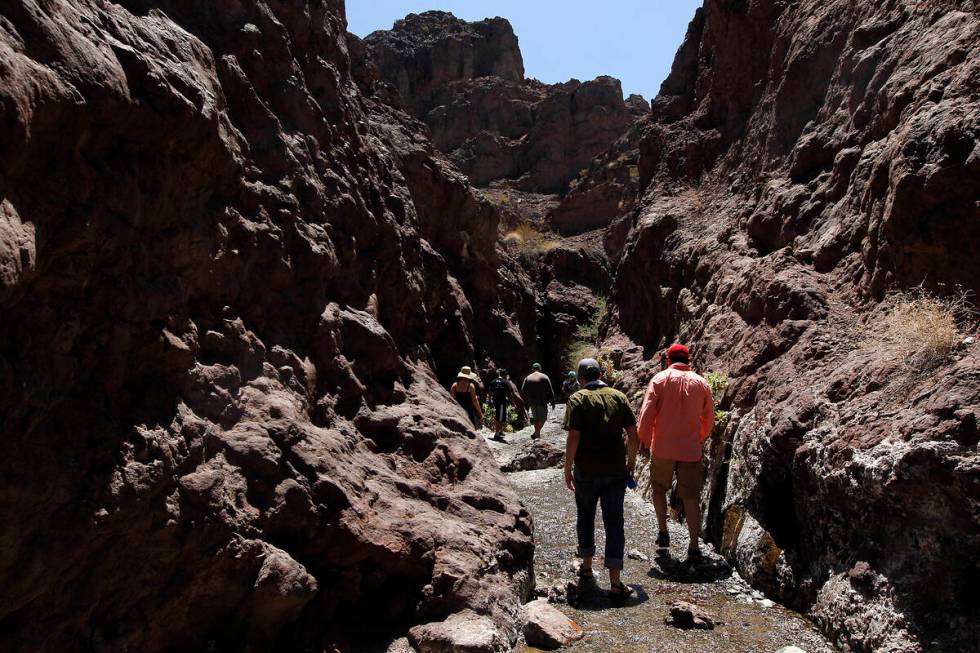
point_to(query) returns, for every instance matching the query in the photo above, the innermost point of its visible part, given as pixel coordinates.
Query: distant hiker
(464, 391)
(596, 418)
(502, 392)
(515, 396)
(570, 385)
(538, 393)
(677, 416)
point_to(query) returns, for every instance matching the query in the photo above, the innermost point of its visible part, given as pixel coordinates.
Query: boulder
(548, 628)
(687, 615)
(536, 454)
(463, 632)
(400, 645)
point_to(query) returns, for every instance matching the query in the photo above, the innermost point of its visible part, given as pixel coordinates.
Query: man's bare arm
(571, 447)
(632, 444)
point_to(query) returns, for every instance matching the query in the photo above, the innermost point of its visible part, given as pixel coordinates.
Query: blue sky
(634, 40)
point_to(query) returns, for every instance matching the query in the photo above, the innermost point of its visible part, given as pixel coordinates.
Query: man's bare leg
(692, 511)
(586, 564)
(537, 429)
(660, 505)
(614, 577)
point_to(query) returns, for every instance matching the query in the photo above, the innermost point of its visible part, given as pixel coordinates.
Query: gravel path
(747, 621)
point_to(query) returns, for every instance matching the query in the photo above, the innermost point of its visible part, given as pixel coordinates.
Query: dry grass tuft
(924, 328)
(527, 240)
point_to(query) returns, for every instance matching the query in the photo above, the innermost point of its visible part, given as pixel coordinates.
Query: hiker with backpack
(502, 391)
(677, 416)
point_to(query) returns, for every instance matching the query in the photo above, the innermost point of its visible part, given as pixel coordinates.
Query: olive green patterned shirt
(600, 415)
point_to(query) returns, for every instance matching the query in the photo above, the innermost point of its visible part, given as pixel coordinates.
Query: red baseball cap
(678, 350)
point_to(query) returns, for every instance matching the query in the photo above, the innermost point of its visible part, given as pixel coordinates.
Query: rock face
(466, 82)
(424, 53)
(789, 187)
(225, 305)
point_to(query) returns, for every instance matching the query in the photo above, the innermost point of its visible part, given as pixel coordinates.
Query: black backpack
(499, 390)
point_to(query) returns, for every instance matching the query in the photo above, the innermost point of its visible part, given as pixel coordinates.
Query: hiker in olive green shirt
(596, 419)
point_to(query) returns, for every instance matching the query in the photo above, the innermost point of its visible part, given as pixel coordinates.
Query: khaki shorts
(539, 413)
(690, 477)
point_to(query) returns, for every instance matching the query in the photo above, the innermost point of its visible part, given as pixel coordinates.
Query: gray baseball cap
(589, 368)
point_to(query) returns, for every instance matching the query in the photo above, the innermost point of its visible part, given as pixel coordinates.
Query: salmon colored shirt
(677, 414)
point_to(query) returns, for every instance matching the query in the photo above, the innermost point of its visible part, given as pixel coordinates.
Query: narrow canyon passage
(245, 253)
(745, 622)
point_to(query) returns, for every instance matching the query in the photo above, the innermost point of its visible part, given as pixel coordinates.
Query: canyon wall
(227, 296)
(802, 163)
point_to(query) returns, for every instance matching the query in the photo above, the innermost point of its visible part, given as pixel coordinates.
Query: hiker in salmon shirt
(677, 416)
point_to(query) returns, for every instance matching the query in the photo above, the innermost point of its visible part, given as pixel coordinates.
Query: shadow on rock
(710, 569)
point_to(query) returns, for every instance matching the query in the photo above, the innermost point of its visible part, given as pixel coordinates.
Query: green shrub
(609, 371)
(585, 340)
(718, 383)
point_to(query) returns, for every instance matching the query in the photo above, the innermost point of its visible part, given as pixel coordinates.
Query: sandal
(620, 591)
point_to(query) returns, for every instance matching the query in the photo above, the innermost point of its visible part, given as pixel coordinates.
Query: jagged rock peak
(423, 51)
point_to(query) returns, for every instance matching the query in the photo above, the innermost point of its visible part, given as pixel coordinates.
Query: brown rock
(535, 454)
(463, 632)
(548, 628)
(400, 645)
(687, 615)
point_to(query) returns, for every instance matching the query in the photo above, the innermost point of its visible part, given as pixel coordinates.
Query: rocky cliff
(802, 163)
(466, 82)
(226, 298)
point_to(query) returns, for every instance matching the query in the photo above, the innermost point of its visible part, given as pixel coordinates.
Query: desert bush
(924, 328)
(609, 371)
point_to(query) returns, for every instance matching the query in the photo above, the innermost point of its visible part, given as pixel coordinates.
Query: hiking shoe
(663, 539)
(620, 591)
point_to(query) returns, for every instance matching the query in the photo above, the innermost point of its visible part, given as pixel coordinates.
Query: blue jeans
(609, 492)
